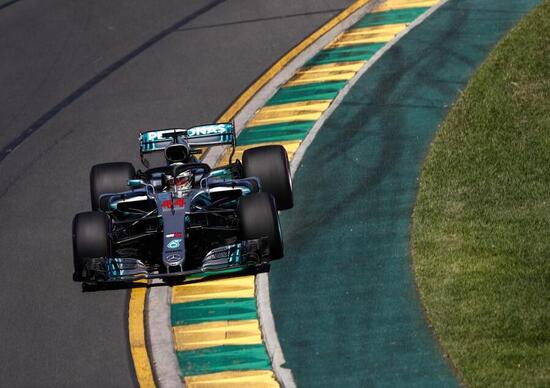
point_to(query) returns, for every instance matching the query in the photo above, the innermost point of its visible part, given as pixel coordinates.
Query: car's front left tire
(91, 239)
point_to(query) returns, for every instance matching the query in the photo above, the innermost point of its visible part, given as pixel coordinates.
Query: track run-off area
(343, 299)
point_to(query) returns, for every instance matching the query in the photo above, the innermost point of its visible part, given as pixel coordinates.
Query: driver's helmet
(181, 183)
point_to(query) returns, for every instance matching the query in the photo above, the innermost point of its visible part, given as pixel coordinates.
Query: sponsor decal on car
(174, 235)
(174, 244)
(208, 130)
(178, 202)
(154, 140)
(173, 258)
(158, 134)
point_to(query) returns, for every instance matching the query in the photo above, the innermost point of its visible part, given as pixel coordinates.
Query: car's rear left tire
(270, 164)
(259, 218)
(109, 178)
(91, 239)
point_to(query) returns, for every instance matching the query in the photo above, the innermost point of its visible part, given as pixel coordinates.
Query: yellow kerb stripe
(136, 334)
(235, 287)
(400, 4)
(219, 333)
(377, 34)
(235, 379)
(325, 73)
(281, 63)
(284, 113)
(290, 146)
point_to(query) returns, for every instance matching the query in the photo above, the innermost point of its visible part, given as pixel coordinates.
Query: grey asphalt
(79, 79)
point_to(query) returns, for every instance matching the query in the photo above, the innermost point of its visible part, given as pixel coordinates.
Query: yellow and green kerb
(215, 322)
(289, 115)
(217, 333)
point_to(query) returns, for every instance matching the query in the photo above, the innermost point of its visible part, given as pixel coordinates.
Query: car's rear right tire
(91, 239)
(109, 178)
(259, 218)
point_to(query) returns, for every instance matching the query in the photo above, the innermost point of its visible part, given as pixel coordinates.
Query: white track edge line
(265, 315)
(162, 349)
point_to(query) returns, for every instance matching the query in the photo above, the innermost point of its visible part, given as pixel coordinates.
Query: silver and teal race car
(182, 217)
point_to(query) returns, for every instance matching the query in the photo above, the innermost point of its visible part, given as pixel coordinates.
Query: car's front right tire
(109, 178)
(259, 218)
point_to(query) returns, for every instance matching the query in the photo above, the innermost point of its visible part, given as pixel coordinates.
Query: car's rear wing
(200, 136)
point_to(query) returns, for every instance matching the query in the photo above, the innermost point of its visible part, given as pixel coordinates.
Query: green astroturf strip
(360, 52)
(275, 132)
(210, 310)
(362, 325)
(391, 17)
(316, 91)
(223, 358)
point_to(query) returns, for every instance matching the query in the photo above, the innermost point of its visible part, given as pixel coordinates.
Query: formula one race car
(183, 217)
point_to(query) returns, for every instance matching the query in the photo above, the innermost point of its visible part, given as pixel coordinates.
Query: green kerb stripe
(407, 15)
(308, 92)
(211, 310)
(359, 52)
(223, 358)
(275, 132)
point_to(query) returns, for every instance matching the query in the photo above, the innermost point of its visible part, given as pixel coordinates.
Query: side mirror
(136, 183)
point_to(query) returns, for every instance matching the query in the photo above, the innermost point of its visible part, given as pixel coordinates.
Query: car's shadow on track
(116, 286)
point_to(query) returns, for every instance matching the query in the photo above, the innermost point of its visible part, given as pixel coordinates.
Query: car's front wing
(249, 253)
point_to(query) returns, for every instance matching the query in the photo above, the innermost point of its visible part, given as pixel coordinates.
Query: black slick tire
(259, 218)
(270, 164)
(90, 240)
(109, 178)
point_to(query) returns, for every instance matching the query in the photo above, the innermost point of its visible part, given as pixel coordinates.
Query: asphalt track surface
(79, 79)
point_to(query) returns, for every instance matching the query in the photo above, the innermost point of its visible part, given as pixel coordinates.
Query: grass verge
(481, 228)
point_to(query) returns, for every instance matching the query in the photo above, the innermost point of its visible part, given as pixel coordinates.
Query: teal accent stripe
(211, 310)
(308, 92)
(216, 274)
(275, 132)
(406, 15)
(223, 358)
(359, 52)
